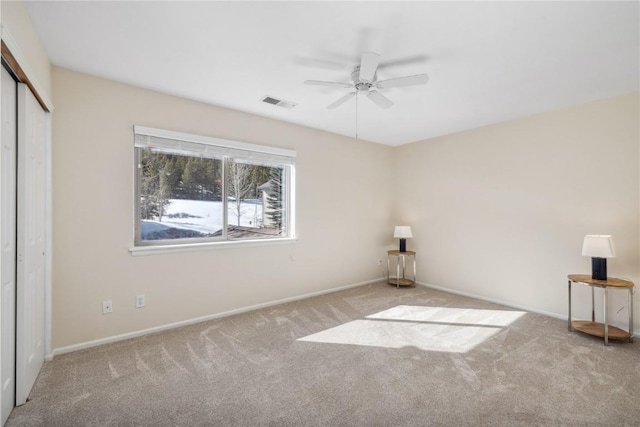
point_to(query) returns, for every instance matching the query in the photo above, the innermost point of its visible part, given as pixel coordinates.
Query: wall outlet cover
(107, 307)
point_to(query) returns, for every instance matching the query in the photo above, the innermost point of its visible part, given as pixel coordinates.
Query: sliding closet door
(30, 336)
(8, 243)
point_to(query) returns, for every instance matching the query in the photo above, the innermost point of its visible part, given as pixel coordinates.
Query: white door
(8, 245)
(30, 319)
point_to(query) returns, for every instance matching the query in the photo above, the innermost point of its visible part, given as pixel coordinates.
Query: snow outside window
(193, 189)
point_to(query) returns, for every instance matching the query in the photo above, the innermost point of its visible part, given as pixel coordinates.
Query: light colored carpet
(369, 356)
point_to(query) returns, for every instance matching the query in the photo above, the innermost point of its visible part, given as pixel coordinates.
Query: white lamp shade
(402, 232)
(598, 246)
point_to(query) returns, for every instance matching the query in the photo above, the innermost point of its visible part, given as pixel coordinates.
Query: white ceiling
(487, 61)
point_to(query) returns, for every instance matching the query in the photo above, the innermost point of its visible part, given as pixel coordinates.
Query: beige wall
(34, 62)
(343, 215)
(500, 212)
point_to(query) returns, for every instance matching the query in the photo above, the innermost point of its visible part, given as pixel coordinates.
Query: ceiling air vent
(279, 102)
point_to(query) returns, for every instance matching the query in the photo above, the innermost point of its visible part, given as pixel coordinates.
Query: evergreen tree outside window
(275, 200)
(193, 189)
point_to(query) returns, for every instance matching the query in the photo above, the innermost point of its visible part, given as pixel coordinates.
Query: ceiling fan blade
(407, 60)
(341, 101)
(379, 99)
(322, 83)
(418, 79)
(368, 66)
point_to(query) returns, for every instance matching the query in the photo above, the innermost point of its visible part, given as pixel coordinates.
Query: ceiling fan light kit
(364, 79)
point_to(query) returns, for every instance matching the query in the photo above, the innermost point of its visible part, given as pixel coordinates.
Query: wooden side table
(401, 264)
(602, 329)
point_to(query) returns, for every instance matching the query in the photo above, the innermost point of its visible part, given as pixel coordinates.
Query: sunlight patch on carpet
(456, 316)
(447, 329)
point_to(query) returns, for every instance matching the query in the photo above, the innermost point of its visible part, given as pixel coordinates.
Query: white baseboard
(495, 301)
(116, 338)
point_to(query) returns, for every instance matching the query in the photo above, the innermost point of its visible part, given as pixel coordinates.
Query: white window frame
(181, 143)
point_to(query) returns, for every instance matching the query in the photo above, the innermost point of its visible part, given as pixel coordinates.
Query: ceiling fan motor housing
(361, 85)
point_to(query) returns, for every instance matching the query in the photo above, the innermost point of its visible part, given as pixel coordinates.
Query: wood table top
(611, 281)
(401, 253)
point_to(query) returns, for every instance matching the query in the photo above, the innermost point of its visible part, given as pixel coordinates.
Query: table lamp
(403, 232)
(599, 248)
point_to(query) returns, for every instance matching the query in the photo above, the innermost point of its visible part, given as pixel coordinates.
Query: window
(194, 189)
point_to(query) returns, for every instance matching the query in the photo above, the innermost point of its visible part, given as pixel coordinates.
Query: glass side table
(400, 259)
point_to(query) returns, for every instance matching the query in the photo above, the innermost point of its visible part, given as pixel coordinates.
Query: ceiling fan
(364, 79)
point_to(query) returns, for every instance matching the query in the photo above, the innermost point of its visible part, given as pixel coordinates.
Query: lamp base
(599, 268)
(403, 245)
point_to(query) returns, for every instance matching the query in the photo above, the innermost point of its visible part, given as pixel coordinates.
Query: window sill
(192, 247)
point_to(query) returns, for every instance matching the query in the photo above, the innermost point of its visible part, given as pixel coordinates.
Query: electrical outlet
(107, 307)
(140, 301)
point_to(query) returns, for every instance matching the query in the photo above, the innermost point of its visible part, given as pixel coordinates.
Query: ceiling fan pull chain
(356, 115)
